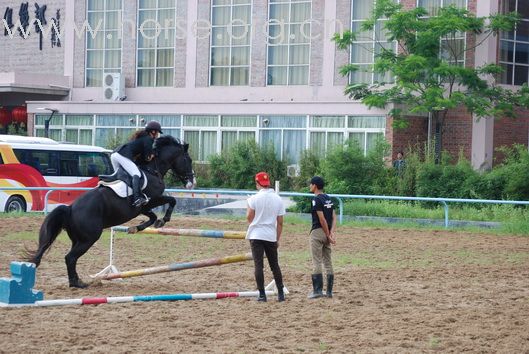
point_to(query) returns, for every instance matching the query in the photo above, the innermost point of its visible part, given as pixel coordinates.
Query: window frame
(230, 46)
(156, 48)
(288, 25)
(512, 64)
(103, 31)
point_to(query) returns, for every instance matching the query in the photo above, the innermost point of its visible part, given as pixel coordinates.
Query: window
(514, 46)
(326, 132)
(235, 129)
(432, 6)
(367, 44)
(78, 129)
(113, 130)
(65, 163)
(230, 42)
(171, 124)
(286, 134)
(55, 129)
(366, 131)
(288, 42)
(453, 45)
(103, 45)
(156, 42)
(201, 134)
(44, 161)
(92, 164)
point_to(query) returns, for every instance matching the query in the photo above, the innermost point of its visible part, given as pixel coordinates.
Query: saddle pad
(121, 188)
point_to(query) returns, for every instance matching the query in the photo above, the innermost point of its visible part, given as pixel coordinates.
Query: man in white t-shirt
(265, 215)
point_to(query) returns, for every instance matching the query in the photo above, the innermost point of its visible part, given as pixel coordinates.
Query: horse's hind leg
(78, 249)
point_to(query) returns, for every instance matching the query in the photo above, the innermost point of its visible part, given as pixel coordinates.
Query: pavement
(237, 207)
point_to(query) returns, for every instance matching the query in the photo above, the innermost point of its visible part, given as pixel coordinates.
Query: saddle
(121, 182)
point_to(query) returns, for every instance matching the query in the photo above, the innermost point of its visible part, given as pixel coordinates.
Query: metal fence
(340, 197)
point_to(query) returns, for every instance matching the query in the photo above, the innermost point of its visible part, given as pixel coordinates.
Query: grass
(402, 209)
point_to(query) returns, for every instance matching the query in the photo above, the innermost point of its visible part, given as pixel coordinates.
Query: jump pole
(238, 235)
(270, 290)
(111, 268)
(177, 266)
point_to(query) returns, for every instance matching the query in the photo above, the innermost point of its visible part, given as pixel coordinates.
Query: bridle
(185, 178)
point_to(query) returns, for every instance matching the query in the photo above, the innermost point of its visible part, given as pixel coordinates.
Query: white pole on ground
(110, 268)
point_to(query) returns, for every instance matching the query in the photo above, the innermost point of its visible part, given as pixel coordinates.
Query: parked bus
(43, 162)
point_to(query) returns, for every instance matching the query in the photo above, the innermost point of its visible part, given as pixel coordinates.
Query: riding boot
(317, 286)
(330, 283)
(262, 295)
(137, 198)
(280, 294)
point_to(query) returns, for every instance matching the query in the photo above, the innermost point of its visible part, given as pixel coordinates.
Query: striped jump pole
(270, 290)
(177, 266)
(188, 232)
(143, 298)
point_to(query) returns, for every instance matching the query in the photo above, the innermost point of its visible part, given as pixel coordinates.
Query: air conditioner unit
(293, 171)
(113, 86)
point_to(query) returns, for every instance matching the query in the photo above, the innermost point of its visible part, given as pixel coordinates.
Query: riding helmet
(154, 125)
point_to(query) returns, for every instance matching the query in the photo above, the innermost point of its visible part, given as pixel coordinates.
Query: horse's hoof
(132, 230)
(78, 284)
(159, 223)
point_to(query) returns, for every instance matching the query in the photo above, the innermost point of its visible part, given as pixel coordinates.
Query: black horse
(101, 207)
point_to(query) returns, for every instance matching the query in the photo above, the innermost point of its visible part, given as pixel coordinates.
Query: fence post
(446, 213)
(340, 218)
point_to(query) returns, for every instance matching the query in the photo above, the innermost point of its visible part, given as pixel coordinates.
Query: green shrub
(514, 173)
(347, 171)
(309, 165)
(236, 167)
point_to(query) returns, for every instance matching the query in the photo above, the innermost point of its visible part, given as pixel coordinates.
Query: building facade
(214, 72)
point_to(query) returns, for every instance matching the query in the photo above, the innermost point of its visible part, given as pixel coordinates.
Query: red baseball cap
(263, 179)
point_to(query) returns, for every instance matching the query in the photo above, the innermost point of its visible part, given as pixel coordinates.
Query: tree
(426, 69)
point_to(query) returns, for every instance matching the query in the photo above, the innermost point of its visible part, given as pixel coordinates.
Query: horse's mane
(166, 140)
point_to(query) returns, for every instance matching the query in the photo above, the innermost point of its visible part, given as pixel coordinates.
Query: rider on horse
(141, 147)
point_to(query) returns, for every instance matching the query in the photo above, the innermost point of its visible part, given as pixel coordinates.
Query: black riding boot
(280, 294)
(317, 286)
(137, 199)
(262, 295)
(330, 283)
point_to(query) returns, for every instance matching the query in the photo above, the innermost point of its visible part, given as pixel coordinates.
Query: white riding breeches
(119, 160)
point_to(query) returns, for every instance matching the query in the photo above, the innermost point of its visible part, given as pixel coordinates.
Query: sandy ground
(396, 291)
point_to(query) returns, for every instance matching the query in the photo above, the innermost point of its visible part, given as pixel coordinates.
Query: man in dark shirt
(399, 164)
(322, 235)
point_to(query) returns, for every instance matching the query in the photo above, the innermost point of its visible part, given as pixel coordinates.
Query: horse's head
(171, 154)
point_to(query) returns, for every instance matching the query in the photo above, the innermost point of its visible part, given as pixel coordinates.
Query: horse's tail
(49, 230)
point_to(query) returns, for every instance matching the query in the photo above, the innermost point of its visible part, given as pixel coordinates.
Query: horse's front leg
(165, 199)
(152, 218)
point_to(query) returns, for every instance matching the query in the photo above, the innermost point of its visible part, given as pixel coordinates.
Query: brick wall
(341, 57)
(457, 133)
(415, 135)
(24, 55)
(508, 131)
(79, 46)
(259, 39)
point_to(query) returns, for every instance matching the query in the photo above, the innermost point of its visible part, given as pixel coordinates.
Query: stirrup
(139, 202)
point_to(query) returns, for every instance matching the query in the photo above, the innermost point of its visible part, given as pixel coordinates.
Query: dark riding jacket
(141, 147)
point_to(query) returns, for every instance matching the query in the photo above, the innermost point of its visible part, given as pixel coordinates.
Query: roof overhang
(34, 84)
